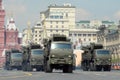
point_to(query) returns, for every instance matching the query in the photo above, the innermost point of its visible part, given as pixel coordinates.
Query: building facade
(82, 37)
(11, 35)
(8, 35)
(37, 31)
(94, 23)
(2, 32)
(110, 38)
(58, 19)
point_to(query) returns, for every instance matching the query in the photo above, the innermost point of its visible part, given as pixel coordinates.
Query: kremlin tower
(8, 36)
(11, 39)
(2, 32)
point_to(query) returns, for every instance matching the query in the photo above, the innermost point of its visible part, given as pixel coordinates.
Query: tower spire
(0, 4)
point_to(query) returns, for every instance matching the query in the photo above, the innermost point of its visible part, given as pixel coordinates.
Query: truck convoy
(13, 59)
(32, 57)
(58, 54)
(95, 58)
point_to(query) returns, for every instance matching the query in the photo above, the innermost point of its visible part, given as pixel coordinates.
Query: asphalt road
(58, 75)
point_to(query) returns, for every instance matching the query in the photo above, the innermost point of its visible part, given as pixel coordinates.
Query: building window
(62, 30)
(51, 17)
(84, 34)
(51, 26)
(89, 34)
(89, 39)
(56, 26)
(75, 34)
(62, 22)
(94, 34)
(56, 17)
(56, 30)
(84, 39)
(70, 35)
(51, 22)
(50, 34)
(61, 17)
(50, 30)
(79, 34)
(35, 31)
(56, 22)
(62, 26)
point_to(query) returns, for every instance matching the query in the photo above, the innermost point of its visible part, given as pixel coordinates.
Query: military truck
(32, 57)
(13, 59)
(58, 54)
(95, 58)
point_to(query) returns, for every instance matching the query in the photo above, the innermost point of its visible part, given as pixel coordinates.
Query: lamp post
(105, 34)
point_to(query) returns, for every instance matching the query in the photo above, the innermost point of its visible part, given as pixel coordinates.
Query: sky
(29, 10)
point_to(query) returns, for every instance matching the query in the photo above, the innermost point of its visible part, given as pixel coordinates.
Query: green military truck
(32, 57)
(95, 58)
(13, 59)
(58, 54)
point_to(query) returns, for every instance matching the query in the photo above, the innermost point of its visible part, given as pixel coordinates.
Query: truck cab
(103, 59)
(33, 57)
(13, 59)
(58, 54)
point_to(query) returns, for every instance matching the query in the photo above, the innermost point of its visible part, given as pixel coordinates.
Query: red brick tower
(2, 31)
(11, 35)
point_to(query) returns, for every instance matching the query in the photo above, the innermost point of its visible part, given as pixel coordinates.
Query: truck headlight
(98, 59)
(69, 56)
(33, 59)
(53, 56)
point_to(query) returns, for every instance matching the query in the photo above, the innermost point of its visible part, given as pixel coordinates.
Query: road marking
(26, 74)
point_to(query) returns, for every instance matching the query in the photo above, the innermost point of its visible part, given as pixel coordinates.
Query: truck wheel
(85, 68)
(70, 68)
(64, 69)
(9, 68)
(107, 68)
(92, 68)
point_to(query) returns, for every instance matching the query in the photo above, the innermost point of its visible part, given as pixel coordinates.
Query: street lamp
(105, 34)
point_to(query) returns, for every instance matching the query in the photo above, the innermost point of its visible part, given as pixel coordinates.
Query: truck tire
(64, 70)
(107, 68)
(98, 68)
(92, 67)
(70, 68)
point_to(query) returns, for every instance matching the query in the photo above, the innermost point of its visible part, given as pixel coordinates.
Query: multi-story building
(93, 23)
(8, 35)
(27, 36)
(37, 31)
(58, 19)
(110, 38)
(82, 37)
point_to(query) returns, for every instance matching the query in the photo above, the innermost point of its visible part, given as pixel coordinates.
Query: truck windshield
(36, 52)
(60, 46)
(16, 55)
(103, 52)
